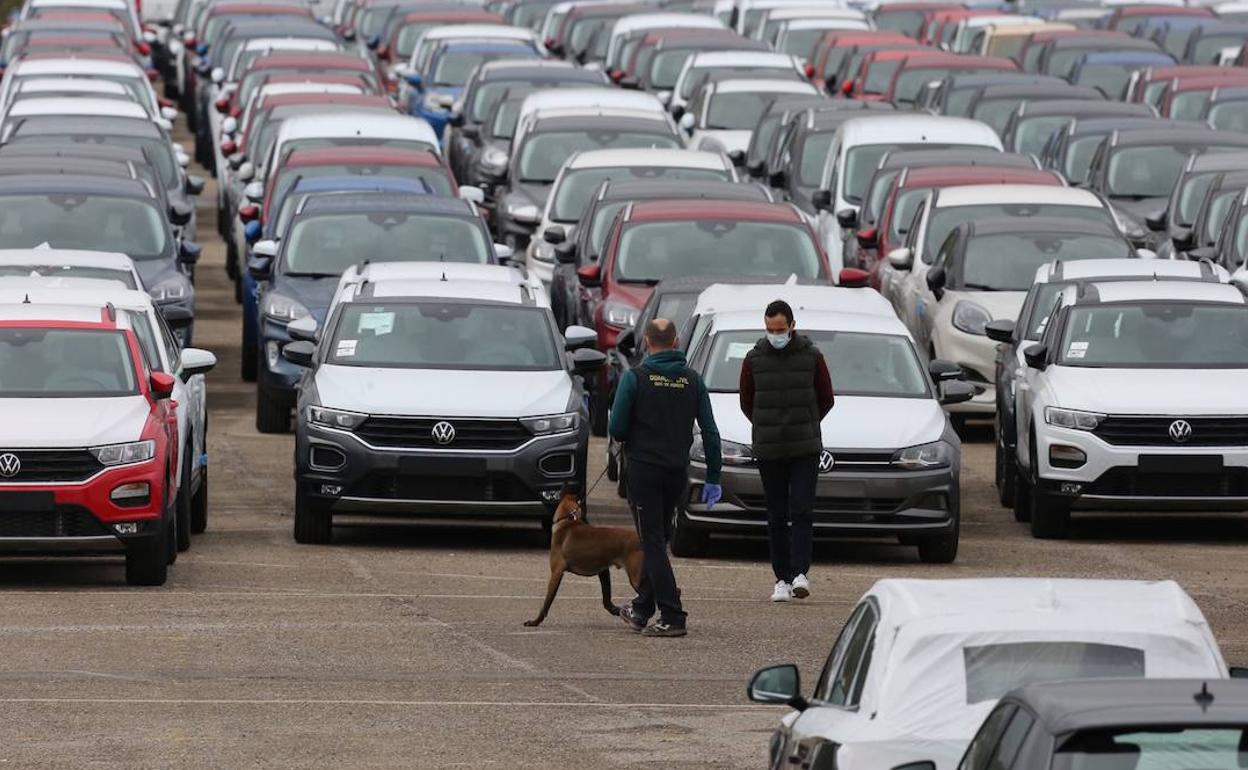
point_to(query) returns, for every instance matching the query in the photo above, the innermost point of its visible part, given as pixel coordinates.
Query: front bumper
(382, 481)
(277, 376)
(847, 502)
(977, 355)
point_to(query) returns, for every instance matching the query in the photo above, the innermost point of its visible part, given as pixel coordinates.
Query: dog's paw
(614, 611)
(531, 623)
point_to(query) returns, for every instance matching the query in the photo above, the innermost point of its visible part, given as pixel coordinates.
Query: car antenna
(1204, 698)
(442, 259)
(27, 300)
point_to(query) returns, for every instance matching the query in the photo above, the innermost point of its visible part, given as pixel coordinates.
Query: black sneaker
(661, 628)
(631, 619)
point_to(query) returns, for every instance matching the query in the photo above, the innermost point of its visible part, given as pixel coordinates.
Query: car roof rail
(108, 308)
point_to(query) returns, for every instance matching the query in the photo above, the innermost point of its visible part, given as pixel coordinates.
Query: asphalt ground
(402, 645)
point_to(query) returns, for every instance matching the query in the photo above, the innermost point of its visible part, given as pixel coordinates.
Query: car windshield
(529, 14)
(1146, 171)
(908, 23)
(577, 186)
(1033, 133)
(666, 66)
(992, 670)
(327, 245)
(488, 96)
(800, 42)
(814, 158)
(65, 363)
(861, 364)
(454, 67)
(434, 177)
(544, 154)
(653, 251)
(996, 112)
(880, 76)
(1174, 747)
(862, 160)
(1188, 105)
(1229, 116)
(88, 222)
(1009, 262)
(1157, 335)
(910, 82)
(1208, 47)
(124, 277)
(1079, 152)
(445, 335)
(408, 37)
(944, 219)
(737, 111)
(1191, 193)
(877, 192)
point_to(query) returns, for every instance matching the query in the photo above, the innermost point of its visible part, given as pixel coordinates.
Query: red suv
(656, 240)
(88, 453)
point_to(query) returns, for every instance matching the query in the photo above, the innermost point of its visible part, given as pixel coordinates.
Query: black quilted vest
(786, 407)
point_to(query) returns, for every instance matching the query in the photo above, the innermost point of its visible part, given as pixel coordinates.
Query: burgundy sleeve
(823, 387)
(747, 390)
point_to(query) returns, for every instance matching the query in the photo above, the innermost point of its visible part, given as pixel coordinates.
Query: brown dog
(578, 547)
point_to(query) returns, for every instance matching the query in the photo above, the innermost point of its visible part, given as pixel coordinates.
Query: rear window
(992, 670)
(1164, 747)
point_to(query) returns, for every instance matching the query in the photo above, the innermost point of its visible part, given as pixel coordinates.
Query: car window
(980, 752)
(655, 251)
(1172, 747)
(994, 669)
(65, 363)
(846, 685)
(329, 244)
(823, 688)
(147, 341)
(170, 342)
(1011, 741)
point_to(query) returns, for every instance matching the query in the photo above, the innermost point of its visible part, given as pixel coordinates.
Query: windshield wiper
(314, 275)
(982, 287)
(646, 281)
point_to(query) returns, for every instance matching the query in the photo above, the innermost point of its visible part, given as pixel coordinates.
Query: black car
(776, 115)
(796, 163)
(1030, 126)
(1113, 723)
(1069, 149)
(994, 104)
(953, 94)
(658, 65)
(1225, 190)
(1175, 221)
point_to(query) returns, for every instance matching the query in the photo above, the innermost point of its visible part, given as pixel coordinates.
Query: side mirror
(169, 113)
(687, 121)
(254, 192)
(590, 275)
(1145, 254)
(565, 253)
(942, 370)
(821, 200)
(1036, 356)
(299, 353)
(162, 385)
(867, 237)
(926, 764)
(1156, 221)
(1182, 238)
(471, 193)
(781, 685)
(249, 213)
(756, 169)
(373, 42)
(847, 218)
(1000, 330)
(218, 75)
(901, 258)
(229, 125)
(196, 361)
(302, 329)
(194, 185)
(245, 172)
(626, 343)
(577, 337)
(503, 253)
(260, 268)
(1204, 252)
(587, 361)
(180, 213)
(678, 111)
(555, 235)
(252, 232)
(737, 157)
(470, 132)
(455, 119)
(188, 252)
(936, 280)
(414, 80)
(853, 278)
(956, 392)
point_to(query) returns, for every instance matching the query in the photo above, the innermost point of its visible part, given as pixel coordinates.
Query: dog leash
(590, 491)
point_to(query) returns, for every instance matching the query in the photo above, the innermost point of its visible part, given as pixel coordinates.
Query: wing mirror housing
(180, 214)
(565, 253)
(853, 278)
(162, 385)
(229, 125)
(1000, 330)
(470, 132)
(188, 252)
(1156, 221)
(555, 235)
(687, 122)
(956, 392)
(847, 218)
(587, 360)
(577, 337)
(626, 342)
(414, 80)
(1037, 356)
(472, 193)
(590, 276)
(246, 170)
(503, 253)
(737, 157)
(194, 185)
(303, 329)
(678, 111)
(936, 278)
(254, 192)
(868, 237)
(901, 258)
(196, 361)
(821, 200)
(943, 371)
(252, 232)
(299, 352)
(781, 685)
(756, 169)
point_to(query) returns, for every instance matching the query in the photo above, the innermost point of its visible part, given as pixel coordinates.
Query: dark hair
(661, 334)
(779, 307)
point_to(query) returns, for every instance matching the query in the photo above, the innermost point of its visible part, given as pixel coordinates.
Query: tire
(182, 504)
(313, 524)
(251, 356)
(687, 540)
(146, 561)
(272, 414)
(199, 503)
(1050, 516)
(942, 549)
(1006, 478)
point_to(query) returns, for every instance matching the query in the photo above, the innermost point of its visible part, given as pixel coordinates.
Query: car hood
(855, 422)
(153, 271)
(999, 304)
(1150, 391)
(536, 193)
(72, 422)
(443, 392)
(313, 293)
(1132, 213)
(728, 140)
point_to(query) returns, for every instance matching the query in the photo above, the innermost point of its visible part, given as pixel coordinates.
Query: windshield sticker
(377, 323)
(1078, 346)
(1077, 350)
(346, 348)
(737, 350)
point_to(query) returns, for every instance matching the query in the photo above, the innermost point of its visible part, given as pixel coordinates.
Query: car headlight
(937, 454)
(495, 160)
(619, 315)
(731, 452)
(1072, 418)
(125, 454)
(553, 423)
(971, 318)
(281, 308)
(335, 418)
(173, 289)
(524, 212)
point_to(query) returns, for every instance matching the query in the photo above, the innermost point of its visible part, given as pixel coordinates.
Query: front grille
(1155, 431)
(417, 433)
(832, 507)
(51, 465)
(61, 521)
(493, 487)
(862, 461)
(1130, 481)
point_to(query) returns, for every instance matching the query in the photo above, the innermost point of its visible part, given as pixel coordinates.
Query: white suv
(1133, 398)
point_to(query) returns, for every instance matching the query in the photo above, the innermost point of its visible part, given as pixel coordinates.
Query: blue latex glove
(711, 494)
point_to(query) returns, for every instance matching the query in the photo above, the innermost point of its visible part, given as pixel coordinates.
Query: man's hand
(711, 494)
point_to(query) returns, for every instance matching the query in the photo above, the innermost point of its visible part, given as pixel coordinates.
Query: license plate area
(1170, 464)
(459, 467)
(28, 502)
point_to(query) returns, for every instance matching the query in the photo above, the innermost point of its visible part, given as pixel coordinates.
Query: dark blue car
(434, 92)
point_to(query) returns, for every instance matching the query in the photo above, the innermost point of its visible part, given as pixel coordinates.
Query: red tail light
(847, 87)
(228, 147)
(222, 105)
(143, 47)
(809, 69)
(249, 213)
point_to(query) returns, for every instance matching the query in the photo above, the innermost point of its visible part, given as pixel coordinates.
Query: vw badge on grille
(1180, 431)
(443, 432)
(10, 465)
(826, 461)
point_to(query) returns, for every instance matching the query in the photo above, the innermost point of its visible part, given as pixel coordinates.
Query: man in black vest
(785, 392)
(652, 416)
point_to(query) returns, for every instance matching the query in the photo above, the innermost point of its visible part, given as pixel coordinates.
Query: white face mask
(778, 341)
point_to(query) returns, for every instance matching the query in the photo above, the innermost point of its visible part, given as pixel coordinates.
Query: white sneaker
(783, 592)
(801, 587)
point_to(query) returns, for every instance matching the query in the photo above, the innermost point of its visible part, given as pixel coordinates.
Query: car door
(926, 303)
(905, 287)
(1028, 386)
(191, 395)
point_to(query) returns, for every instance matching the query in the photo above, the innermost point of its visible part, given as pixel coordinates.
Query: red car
(1147, 84)
(875, 73)
(908, 18)
(263, 110)
(1184, 98)
(918, 69)
(318, 63)
(834, 48)
(88, 453)
(402, 39)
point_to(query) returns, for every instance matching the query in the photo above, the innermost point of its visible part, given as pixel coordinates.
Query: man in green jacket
(652, 416)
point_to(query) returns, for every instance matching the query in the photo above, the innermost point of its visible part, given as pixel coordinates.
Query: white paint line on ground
(235, 592)
(401, 703)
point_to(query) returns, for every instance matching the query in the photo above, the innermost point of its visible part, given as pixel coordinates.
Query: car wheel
(182, 505)
(1007, 478)
(687, 540)
(313, 523)
(251, 356)
(1050, 515)
(939, 550)
(272, 414)
(199, 505)
(146, 561)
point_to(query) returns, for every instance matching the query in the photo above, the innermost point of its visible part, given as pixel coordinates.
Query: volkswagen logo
(10, 465)
(826, 461)
(1180, 431)
(443, 432)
